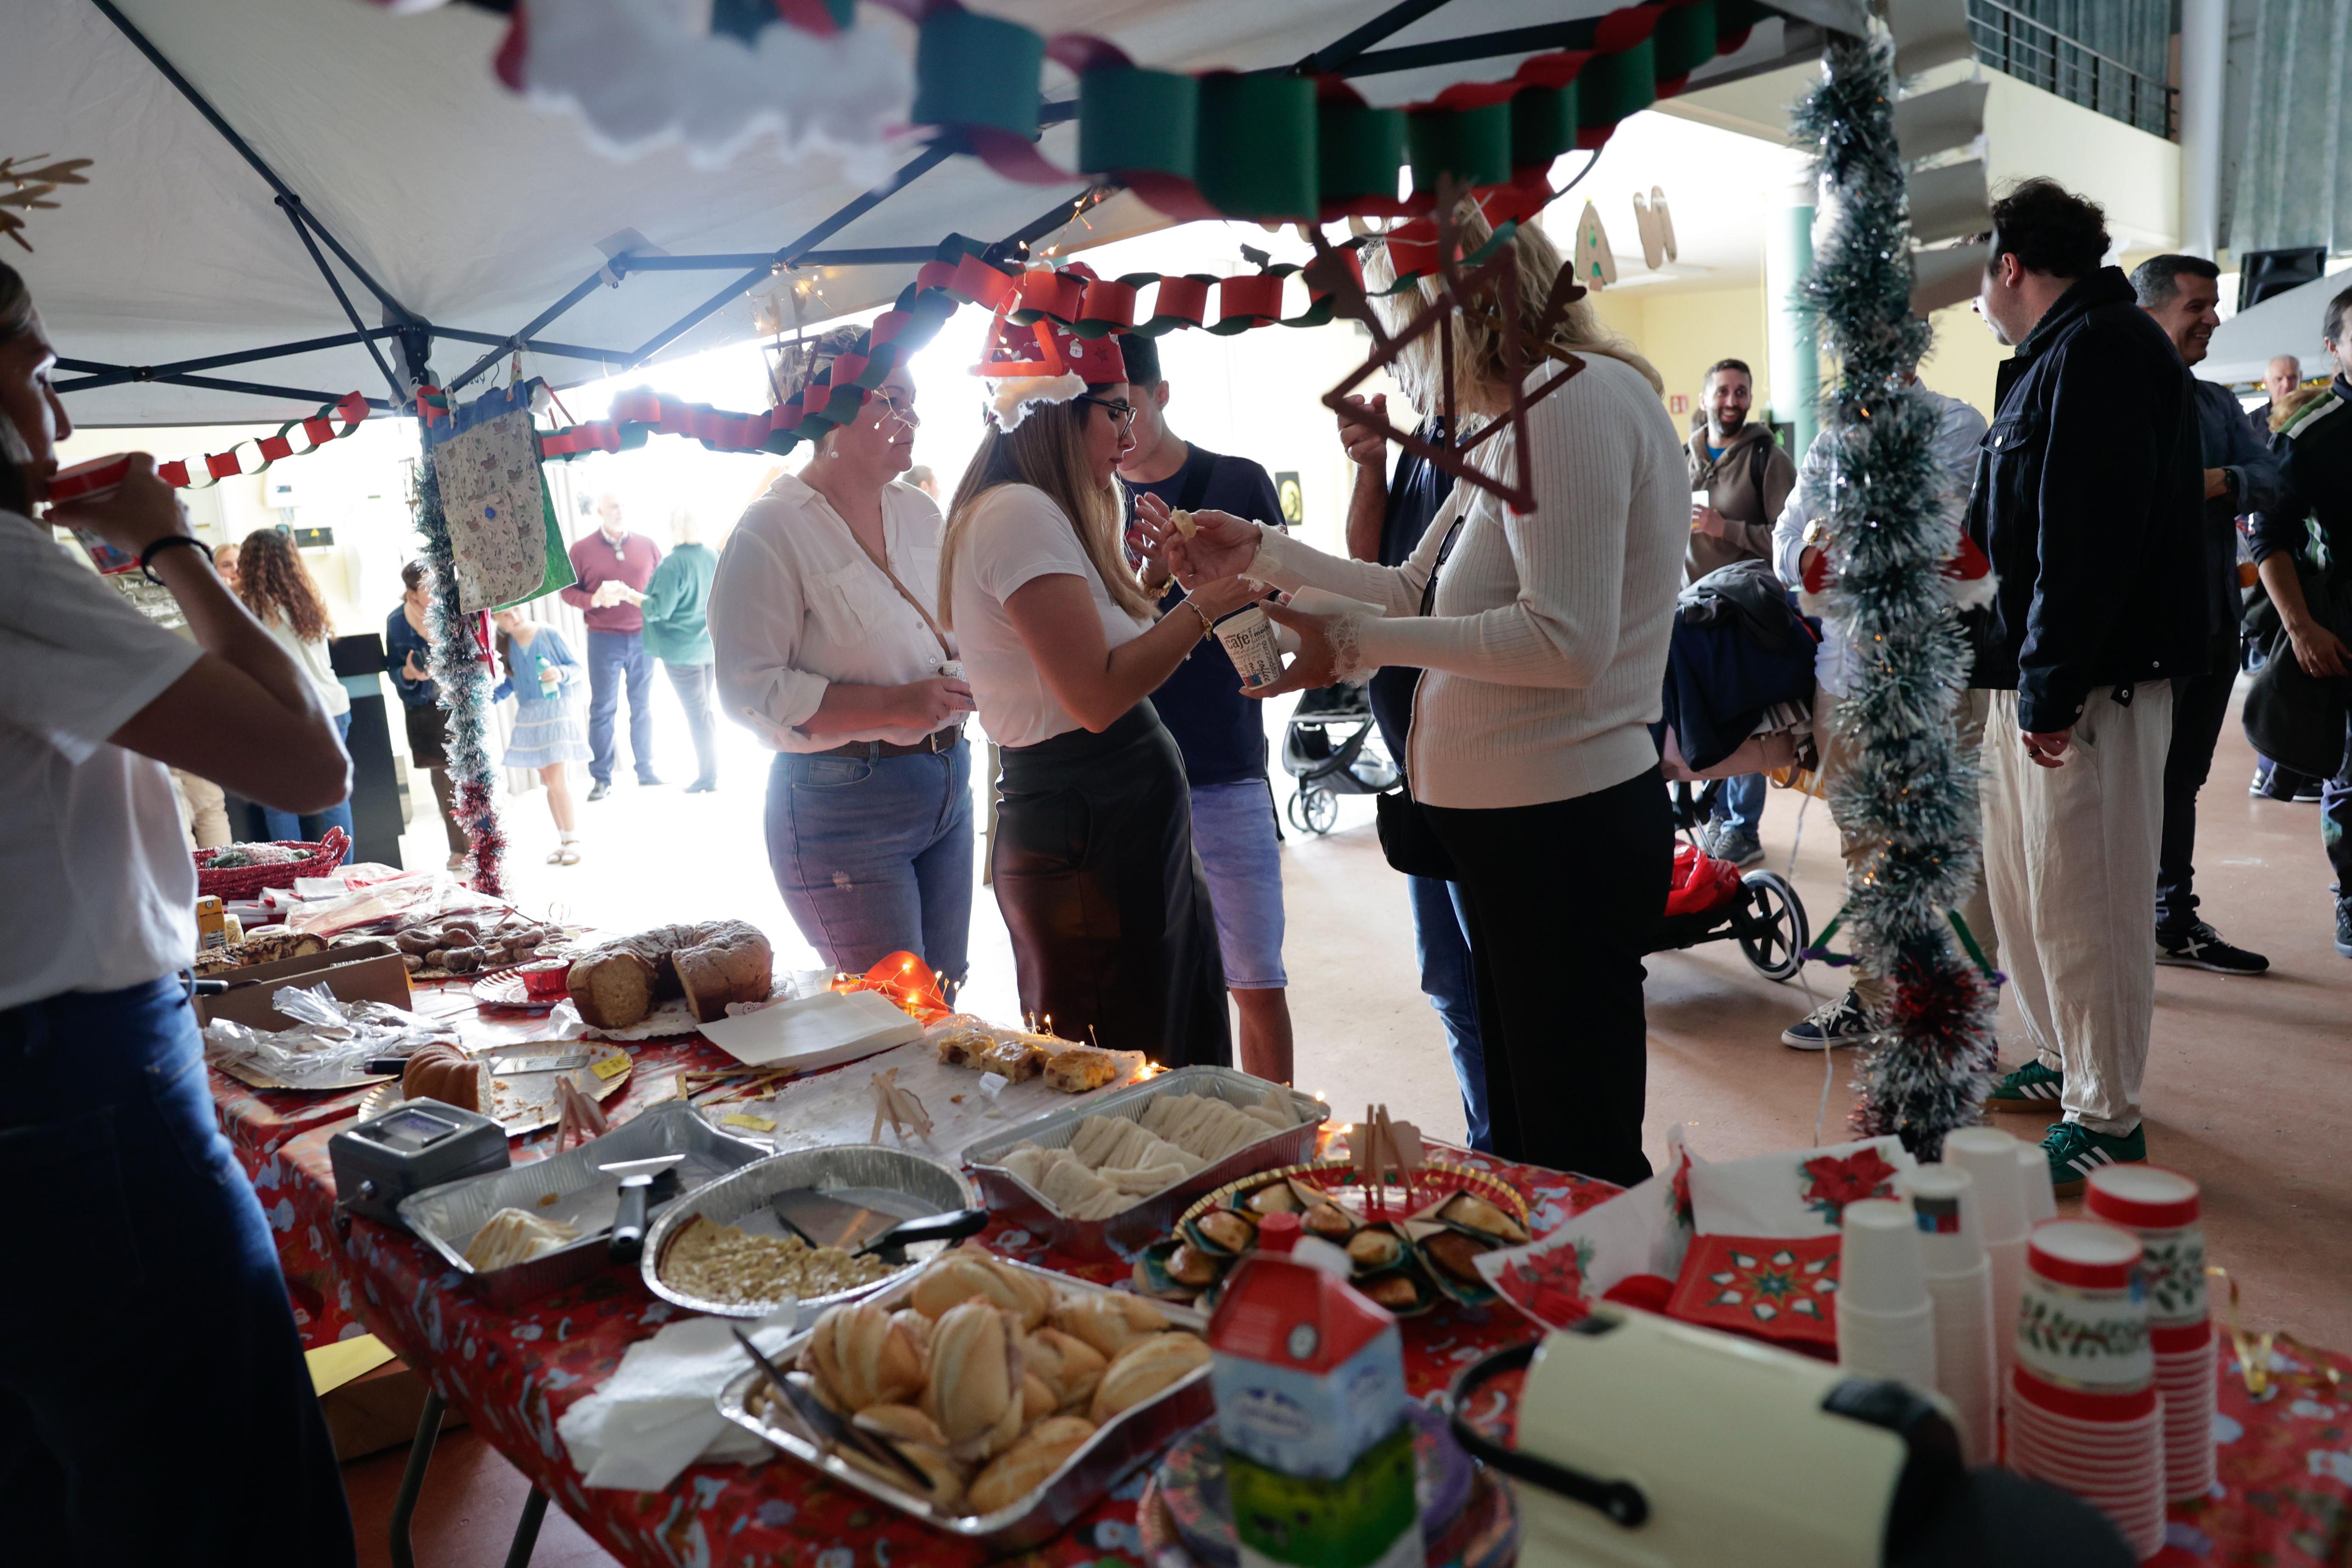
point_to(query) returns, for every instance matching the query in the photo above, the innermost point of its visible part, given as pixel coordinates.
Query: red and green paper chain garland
(332, 421)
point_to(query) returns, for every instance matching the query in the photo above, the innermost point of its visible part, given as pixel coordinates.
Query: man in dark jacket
(2089, 501)
(2182, 294)
(2314, 521)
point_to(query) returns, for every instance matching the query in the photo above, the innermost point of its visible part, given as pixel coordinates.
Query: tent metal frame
(1353, 54)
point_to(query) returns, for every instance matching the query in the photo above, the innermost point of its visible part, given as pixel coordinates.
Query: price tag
(611, 1067)
(749, 1124)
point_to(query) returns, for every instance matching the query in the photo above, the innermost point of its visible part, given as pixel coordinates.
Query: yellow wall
(1682, 333)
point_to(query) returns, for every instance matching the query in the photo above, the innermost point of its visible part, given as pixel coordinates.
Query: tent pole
(1395, 20)
(187, 89)
(210, 384)
(292, 209)
(533, 345)
(113, 375)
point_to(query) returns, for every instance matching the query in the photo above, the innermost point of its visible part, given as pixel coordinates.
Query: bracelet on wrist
(1207, 621)
(169, 541)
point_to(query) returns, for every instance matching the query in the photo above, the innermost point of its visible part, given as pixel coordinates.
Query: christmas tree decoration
(459, 665)
(1912, 791)
(1595, 266)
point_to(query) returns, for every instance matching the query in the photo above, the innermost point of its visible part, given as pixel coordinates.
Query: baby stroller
(1331, 749)
(1710, 900)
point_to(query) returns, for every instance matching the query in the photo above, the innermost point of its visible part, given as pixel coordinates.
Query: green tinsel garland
(460, 678)
(1911, 789)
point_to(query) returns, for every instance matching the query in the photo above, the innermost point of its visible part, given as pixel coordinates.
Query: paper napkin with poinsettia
(1802, 1193)
(1782, 1289)
(1645, 1229)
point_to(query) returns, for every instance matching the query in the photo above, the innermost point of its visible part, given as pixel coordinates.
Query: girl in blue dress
(541, 674)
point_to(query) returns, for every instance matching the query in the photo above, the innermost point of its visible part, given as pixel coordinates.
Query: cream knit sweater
(1545, 656)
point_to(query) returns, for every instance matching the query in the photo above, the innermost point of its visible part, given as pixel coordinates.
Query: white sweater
(1545, 656)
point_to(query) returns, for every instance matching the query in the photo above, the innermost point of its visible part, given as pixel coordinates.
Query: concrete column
(2204, 55)
(1790, 343)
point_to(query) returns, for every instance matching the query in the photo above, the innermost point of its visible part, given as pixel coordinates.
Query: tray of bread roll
(513, 1084)
(1098, 1181)
(1025, 1396)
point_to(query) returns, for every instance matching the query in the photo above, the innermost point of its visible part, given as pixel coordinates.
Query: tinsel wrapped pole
(461, 678)
(1912, 791)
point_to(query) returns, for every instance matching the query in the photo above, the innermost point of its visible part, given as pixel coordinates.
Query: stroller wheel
(1770, 926)
(1313, 809)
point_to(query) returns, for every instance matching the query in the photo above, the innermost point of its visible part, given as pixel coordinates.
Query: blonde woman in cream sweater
(1543, 653)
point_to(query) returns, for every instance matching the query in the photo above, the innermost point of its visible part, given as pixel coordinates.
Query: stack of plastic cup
(2041, 1196)
(1989, 1157)
(1886, 1324)
(2160, 1208)
(1959, 1282)
(2085, 1412)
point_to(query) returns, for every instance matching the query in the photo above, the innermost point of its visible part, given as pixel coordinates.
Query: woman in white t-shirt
(1093, 861)
(143, 1218)
(284, 597)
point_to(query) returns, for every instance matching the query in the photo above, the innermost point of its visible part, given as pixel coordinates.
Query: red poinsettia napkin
(1782, 1291)
(1802, 1193)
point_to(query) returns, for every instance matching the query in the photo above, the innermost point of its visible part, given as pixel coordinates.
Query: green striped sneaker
(2031, 1087)
(2076, 1152)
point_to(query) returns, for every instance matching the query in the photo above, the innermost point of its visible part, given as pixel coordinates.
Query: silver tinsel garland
(1911, 789)
(460, 678)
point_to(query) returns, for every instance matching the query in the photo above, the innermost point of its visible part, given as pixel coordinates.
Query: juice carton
(1311, 1404)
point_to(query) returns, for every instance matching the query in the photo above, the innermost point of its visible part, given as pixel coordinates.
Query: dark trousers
(692, 684)
(2200, 704)
(1563, 899)
(614, 659)
(134, 1220)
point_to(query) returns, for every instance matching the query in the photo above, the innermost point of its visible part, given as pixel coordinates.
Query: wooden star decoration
(28, 190)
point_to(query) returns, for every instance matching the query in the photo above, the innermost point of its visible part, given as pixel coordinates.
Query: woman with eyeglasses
(1093, 861)
(828, 644)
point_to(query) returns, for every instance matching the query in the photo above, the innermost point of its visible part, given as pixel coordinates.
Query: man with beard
(1746, 479)
(2182, 294)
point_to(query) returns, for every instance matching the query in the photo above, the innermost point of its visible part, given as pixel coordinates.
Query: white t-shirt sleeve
(1019, 535)
(76, 660)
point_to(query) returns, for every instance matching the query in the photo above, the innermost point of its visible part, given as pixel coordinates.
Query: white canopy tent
(440, 199)
(2288, 323)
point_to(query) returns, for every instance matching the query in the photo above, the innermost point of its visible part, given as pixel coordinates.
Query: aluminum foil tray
(1128, 1440)
(1097, 1240)
(446, 1217)
(896, 1181)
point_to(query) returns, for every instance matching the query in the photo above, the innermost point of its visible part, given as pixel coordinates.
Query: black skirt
(1094, 871)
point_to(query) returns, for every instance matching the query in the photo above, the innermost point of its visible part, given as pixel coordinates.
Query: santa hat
(1042, 362)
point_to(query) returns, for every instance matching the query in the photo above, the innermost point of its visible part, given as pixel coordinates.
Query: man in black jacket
(2090, 502)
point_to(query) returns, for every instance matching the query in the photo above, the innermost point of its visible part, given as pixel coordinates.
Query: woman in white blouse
(1542, 644)
(827, 645)
(283, 596)
(1093, 863)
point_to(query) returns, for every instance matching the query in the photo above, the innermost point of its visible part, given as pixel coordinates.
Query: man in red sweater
(613, 566)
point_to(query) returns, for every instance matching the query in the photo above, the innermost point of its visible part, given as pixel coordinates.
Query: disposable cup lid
(2146, 1197)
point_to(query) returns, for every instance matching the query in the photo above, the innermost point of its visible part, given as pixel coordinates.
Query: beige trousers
(1859, 850)
(204, 810)
(2070, 861)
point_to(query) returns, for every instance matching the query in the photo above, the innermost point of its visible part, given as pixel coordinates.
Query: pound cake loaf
(710, 963)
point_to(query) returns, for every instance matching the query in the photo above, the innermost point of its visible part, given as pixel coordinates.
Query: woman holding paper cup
(1542, 639)
(103, 1107)
(1094, 869)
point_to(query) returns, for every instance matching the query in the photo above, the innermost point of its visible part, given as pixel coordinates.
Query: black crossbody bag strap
(1407, 842)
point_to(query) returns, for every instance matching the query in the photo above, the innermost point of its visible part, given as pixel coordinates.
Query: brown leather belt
(939, 740)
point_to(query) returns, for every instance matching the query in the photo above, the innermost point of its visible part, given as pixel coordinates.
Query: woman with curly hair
(277, 588)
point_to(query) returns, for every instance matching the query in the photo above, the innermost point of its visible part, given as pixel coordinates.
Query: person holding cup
(103, 1107)
(828, 644)
(1113, 937)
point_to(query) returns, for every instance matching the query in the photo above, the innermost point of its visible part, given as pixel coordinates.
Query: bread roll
(1109, 1320)
(975, 1387)
(1037, 1399)
(1026, 1466)
(1068, 1364)
(957, 1276)
(864, 1358)
(914, 1435)
(1143, 1369)
(919, 1330)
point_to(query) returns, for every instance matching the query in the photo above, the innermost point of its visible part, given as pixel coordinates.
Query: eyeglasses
(1122, 411)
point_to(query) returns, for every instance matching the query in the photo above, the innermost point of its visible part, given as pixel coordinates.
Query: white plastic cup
(1900, 1346)
(1989, 1157)
(1879, 1268)
(1943, 1200)
(2041, 1197)
(1967, 1368)
(1247, 636)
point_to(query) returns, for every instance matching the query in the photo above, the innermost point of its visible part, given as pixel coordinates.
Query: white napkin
(1802, 1193)
(658, 1412)
(811, 1032)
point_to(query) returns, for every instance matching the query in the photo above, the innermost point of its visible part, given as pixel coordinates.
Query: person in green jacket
(676, 608)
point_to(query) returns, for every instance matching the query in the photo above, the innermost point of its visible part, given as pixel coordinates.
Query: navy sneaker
(2344, 928)
(2202, 947)
(2031, 1087)
(1839, 1021)
(2075, 1152)
(1741, 848)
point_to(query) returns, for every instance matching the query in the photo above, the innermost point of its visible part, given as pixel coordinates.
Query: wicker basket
(247, 881)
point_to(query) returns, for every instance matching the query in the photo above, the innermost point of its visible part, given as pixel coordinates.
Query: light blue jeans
(311, 827)
(1440, 933)
(1232, 832)
(1741, 804)
(873, 855)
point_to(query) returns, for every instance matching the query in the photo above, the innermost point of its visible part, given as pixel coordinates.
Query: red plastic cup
(546, 979)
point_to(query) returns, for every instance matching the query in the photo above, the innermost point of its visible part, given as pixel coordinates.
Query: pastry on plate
(1080, 1069)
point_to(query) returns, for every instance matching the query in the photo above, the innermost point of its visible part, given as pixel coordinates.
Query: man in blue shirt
(1220, 732)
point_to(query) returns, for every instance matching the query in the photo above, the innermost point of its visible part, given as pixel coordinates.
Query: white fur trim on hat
(1010, 403)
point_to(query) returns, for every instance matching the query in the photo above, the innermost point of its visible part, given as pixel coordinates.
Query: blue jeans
(873, 855)
(308, 826)
(1741, 804)
(614, 657)
(133, 1220)
(1451, 984)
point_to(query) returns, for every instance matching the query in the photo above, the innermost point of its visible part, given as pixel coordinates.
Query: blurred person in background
(677, 607)
(2280, 377)
(279, 590)
(613, 566)
(224, 565)
(408, 652)
(543, 677)
(103, 1104)
(923, 479)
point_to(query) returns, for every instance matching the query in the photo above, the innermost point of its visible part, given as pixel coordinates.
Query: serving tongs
(826, 1426)
(821, 1221)
(645, 1183)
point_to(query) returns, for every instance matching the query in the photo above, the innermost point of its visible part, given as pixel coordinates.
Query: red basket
(246, 881)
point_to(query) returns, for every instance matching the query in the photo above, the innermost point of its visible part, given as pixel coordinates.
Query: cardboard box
(379, 1410)
(362, 972)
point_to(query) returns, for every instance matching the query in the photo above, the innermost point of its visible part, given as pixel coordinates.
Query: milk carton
(1311, 1404)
